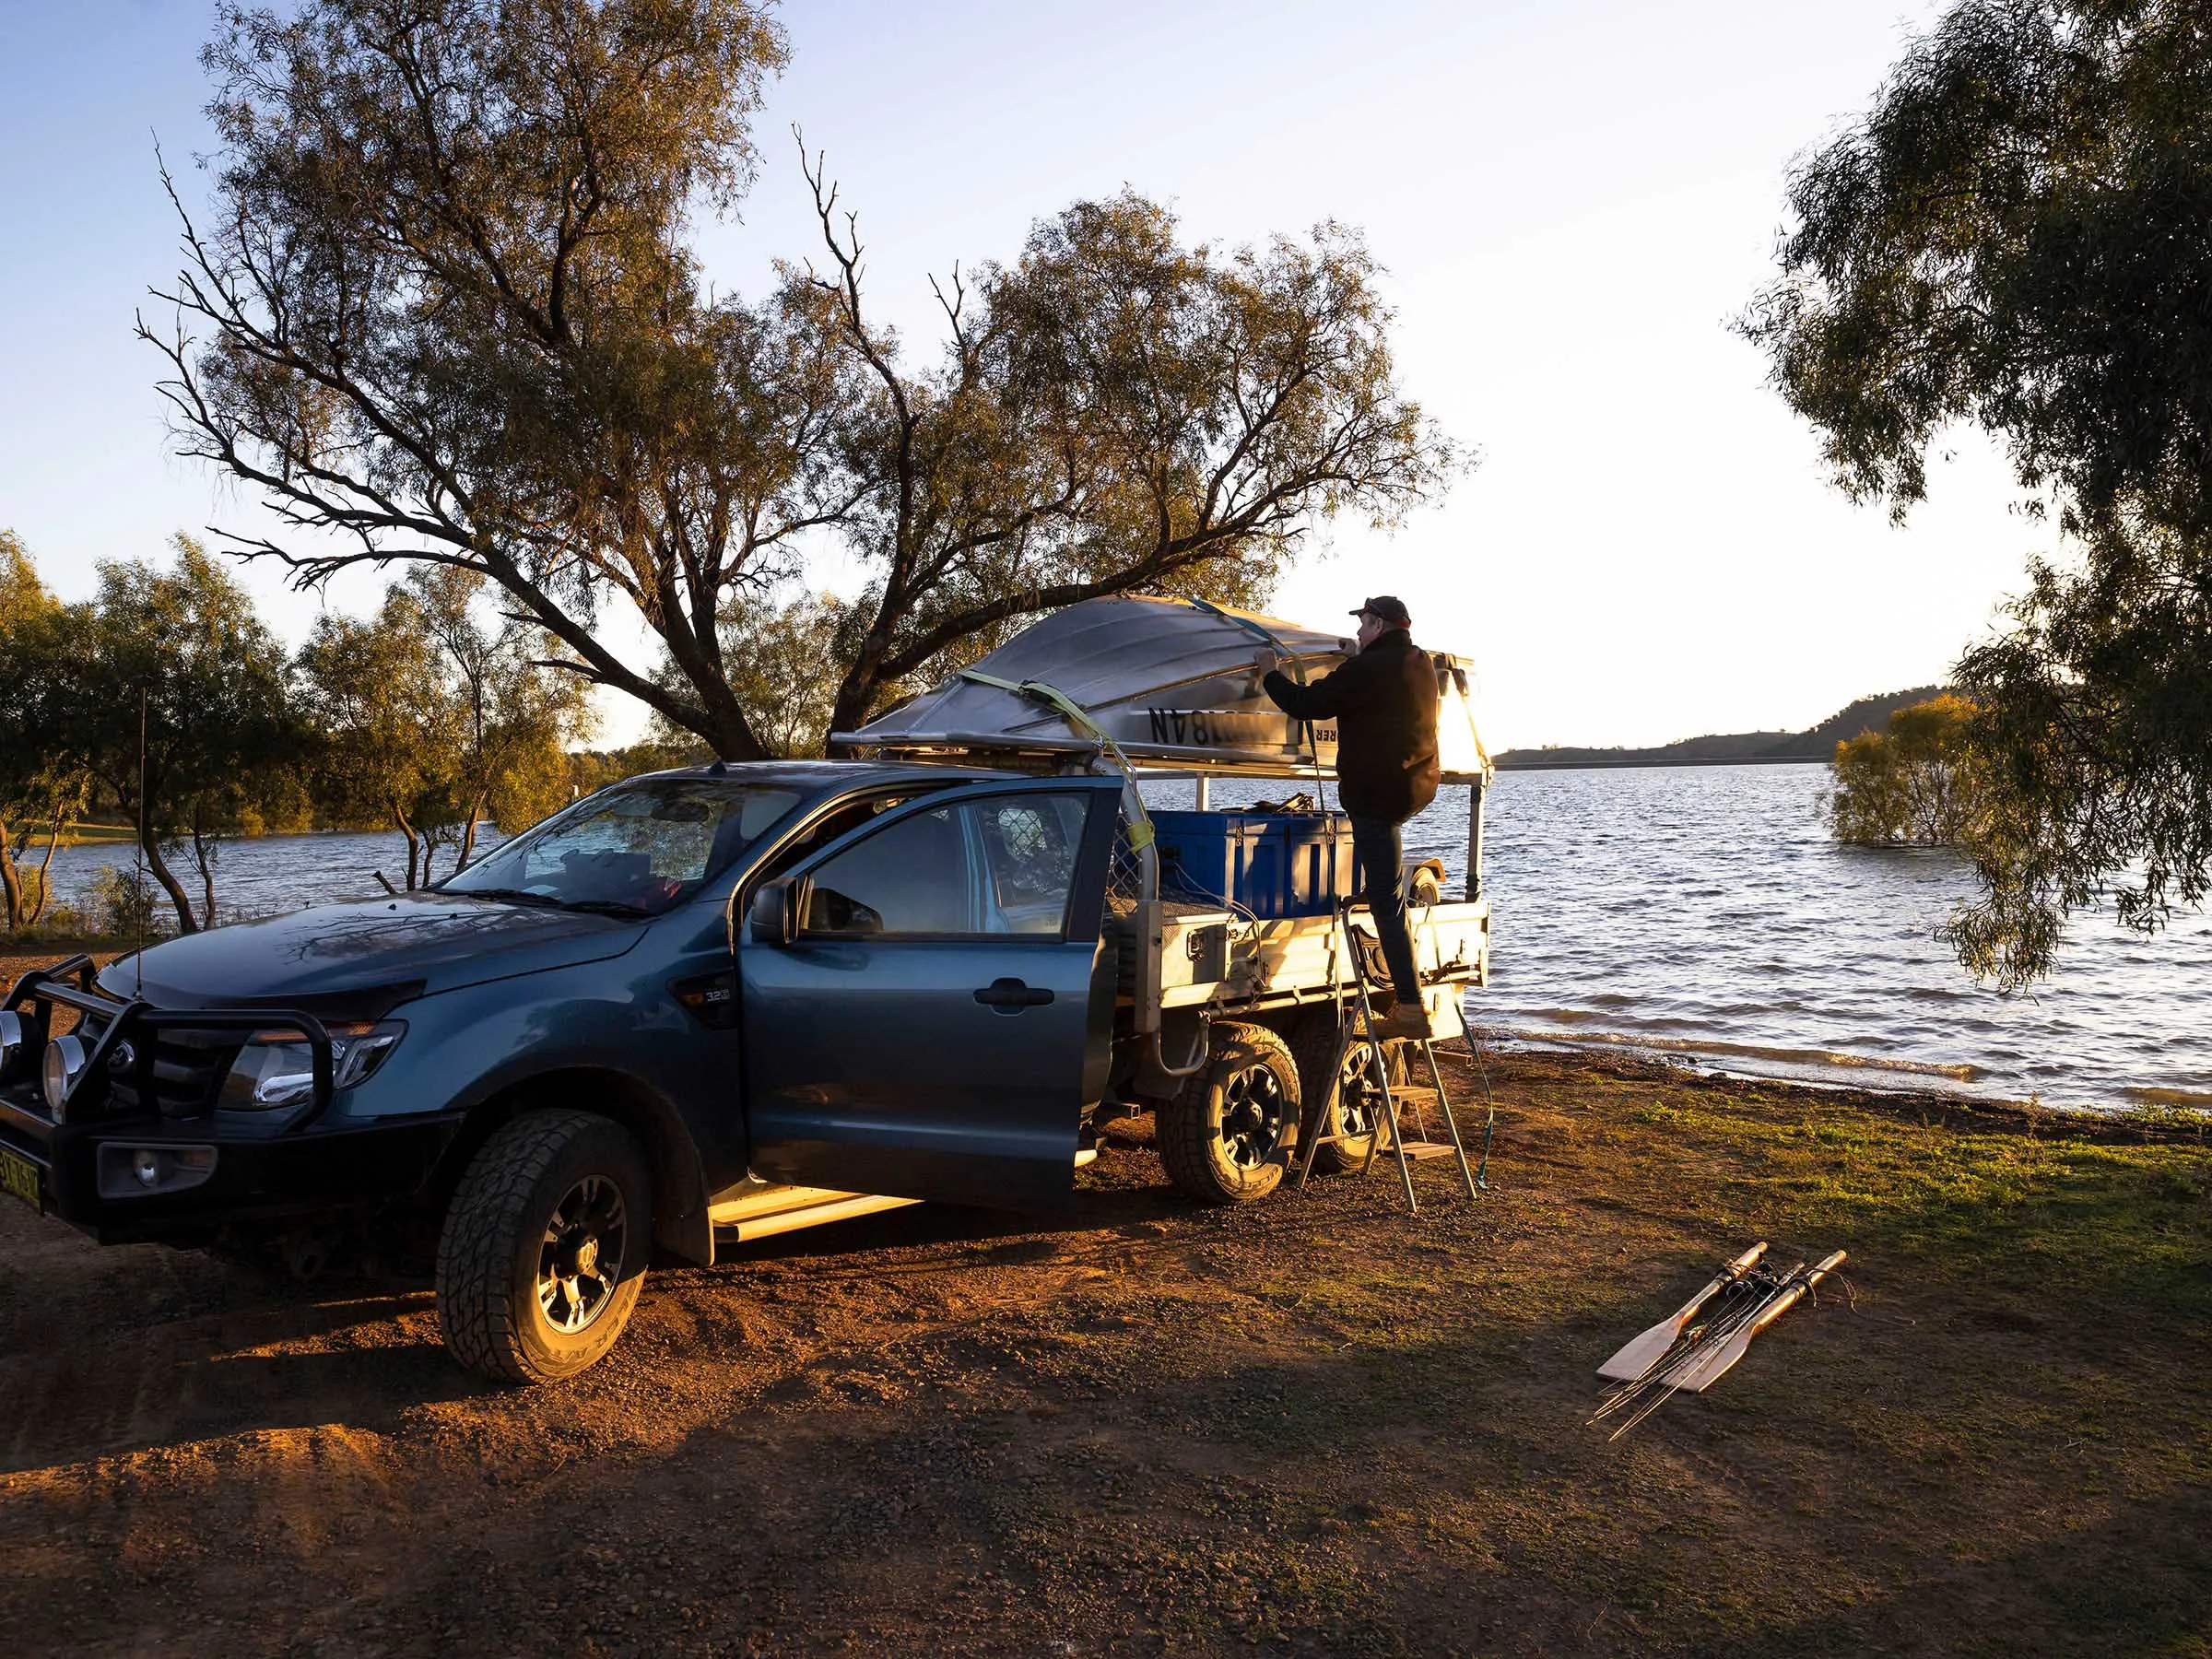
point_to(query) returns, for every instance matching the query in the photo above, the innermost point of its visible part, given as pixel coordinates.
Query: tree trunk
(856, 691)
(203, 854)
(180, 900)
(469, 834)
(54, 839)
(399, 816)
(732, 738)
(11, 884)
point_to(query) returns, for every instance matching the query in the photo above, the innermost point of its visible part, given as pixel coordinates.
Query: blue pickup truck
(723, 1001)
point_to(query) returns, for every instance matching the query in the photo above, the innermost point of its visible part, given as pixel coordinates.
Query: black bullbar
(91, 1089)
(212, 1177)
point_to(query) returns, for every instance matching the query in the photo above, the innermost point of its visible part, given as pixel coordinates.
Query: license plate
(21, 1176)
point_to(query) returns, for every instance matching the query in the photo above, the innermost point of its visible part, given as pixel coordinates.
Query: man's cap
(1385, 608)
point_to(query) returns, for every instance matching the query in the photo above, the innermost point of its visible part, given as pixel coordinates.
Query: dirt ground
(1316, 1425)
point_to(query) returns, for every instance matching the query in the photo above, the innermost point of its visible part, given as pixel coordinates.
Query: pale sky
(1570, 199)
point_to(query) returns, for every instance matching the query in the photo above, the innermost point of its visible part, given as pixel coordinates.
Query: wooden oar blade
(1641, 1353)
(1701, 1369)
(1646, 1350)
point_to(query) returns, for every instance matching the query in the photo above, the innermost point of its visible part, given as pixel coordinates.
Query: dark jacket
(1383, 701)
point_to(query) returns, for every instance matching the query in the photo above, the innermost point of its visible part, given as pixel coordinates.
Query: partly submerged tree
(429, 716)
(389, 736)
(2019, 235)
(1914, 783)
(514, 718)
(446, 311)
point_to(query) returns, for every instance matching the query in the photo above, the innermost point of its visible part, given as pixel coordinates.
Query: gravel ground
(1314, 1425)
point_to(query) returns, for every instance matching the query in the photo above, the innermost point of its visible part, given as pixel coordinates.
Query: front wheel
(1226, 1137)
(545, 1246)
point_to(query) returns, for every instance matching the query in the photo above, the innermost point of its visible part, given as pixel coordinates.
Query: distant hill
(1734, 748)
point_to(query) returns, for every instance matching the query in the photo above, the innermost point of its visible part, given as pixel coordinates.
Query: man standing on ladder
(1383, 701)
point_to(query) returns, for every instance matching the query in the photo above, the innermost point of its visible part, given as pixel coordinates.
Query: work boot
(1407, 1019)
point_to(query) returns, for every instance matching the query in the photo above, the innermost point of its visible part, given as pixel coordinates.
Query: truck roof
(825, 774)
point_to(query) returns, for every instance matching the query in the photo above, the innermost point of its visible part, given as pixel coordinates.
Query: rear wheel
(1344, 1082)
(545, 1246)
(1226, 1137)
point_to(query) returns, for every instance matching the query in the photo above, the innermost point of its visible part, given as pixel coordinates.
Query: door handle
(1011, 995)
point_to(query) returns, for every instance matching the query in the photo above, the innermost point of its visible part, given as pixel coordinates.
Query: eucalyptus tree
(512, 717)
(2018, 235)
(38, 786)
(169, 692)
(447, 311)
(1117, 411)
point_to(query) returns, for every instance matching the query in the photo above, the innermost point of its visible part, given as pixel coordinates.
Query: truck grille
(189, 1069)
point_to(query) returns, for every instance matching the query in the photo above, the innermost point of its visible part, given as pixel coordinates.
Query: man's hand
(1265, 661)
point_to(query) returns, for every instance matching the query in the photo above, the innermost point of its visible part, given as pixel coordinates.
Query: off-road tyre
(1226, 1137)
(1318, 1070)
(522, 1188)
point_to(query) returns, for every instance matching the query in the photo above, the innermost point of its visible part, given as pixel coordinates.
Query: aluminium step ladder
(1355, 1027)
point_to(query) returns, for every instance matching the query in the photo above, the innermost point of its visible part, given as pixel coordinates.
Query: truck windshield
(636, 850)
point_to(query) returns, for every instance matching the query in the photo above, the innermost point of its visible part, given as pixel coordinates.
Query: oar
(1705, 1367)
(1647, 1350)
(1664, 1380)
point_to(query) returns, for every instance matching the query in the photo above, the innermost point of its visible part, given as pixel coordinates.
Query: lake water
(1697, 912)
(265, 877)
(1705, 912)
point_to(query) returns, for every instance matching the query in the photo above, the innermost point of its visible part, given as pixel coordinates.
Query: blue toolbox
(1268, 864)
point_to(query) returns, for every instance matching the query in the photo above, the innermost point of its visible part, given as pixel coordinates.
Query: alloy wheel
(580, 1262)
(1253, 1117)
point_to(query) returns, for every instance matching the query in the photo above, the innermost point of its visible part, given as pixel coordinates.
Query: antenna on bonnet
(139, 862)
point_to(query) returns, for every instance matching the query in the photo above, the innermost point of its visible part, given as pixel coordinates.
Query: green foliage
(36, 790)
(512, 717)
(167, 691)
(448, 309)
(1115, 412)
(784, 653)
(432, 720)
(2018, 234)
(1913, 784)
(123, 906)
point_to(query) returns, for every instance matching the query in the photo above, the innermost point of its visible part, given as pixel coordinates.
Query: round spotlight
(64, 1065)
(11, 1039)
(145, 1164)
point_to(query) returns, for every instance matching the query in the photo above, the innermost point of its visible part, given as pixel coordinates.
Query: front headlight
(63, 1065)
(277, 1067)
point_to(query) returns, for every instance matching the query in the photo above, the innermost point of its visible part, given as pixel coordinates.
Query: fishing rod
(1741, 1301)
(1663, 1384)
(1707, 1367)
(1641, 1353)
(1708, 1351)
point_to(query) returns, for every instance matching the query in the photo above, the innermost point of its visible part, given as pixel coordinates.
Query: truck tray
(1236, 962)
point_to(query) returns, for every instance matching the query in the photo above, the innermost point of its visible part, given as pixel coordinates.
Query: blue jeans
(1378, 853)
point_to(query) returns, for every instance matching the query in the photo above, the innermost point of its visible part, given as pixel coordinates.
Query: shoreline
(1503, 764)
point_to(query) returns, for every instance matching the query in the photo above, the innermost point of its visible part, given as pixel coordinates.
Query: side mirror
(777, 908)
